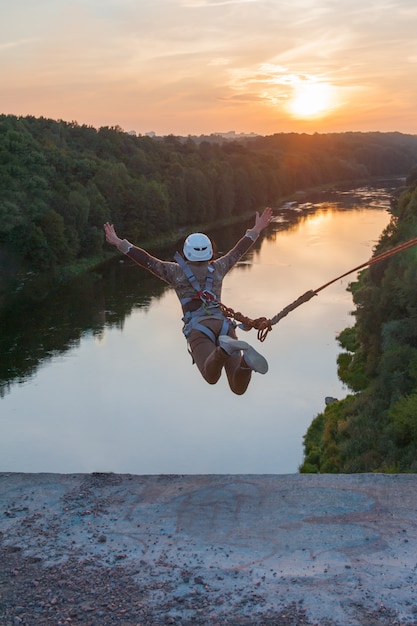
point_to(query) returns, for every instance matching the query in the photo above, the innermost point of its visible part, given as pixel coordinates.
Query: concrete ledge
(217, 549)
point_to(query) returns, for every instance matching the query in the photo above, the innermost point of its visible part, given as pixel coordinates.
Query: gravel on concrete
(287, 550)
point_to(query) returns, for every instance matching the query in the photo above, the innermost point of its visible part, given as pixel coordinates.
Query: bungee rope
(264, 325)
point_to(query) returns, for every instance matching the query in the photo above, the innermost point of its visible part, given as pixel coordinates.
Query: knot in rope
(261, 324)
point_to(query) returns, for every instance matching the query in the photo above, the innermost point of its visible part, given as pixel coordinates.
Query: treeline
(60, 181)
(375, 428)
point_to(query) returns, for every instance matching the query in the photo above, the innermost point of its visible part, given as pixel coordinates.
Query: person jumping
(197, 280)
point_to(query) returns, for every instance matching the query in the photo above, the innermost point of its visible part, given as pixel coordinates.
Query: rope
(263, 325)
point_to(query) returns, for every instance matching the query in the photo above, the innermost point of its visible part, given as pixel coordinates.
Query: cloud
(16, 44)
(157, 59)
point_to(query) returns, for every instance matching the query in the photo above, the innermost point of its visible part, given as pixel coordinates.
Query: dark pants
(210, 359)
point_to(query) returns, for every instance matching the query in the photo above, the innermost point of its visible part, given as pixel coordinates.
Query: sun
(311, 99)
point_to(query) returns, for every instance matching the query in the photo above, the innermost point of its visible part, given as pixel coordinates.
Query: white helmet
(197, 247)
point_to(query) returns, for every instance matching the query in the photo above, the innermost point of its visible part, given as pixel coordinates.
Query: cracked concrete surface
(224, 548)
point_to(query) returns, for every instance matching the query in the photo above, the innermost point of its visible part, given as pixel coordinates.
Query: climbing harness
(210, 306)
(263, 325)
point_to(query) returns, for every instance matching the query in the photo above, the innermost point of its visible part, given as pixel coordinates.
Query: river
(96, 377)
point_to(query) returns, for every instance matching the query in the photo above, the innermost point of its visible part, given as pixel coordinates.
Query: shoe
(252, 358)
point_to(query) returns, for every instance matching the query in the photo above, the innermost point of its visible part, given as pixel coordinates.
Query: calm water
(96, 376)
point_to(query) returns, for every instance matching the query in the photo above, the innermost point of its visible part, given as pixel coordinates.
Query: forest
(374, 429)
(60, 181)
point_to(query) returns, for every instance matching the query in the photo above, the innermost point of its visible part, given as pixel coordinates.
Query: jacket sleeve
(161, 269)
(228, 260)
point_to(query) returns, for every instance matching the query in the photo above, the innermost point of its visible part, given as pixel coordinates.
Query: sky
(191, 67)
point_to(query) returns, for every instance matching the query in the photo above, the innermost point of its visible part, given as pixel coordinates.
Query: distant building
(230, 135)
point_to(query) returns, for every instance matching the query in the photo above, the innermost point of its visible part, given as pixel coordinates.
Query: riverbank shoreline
(63, 274)
(287, 550)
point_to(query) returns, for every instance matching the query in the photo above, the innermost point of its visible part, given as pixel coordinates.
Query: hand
(262, 221)
(111, 236)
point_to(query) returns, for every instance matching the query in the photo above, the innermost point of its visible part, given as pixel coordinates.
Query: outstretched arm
(262, 221)
(138, 255)
(111, 236)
